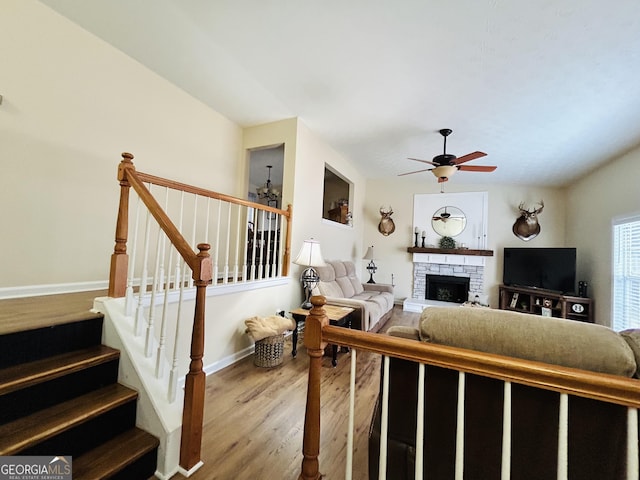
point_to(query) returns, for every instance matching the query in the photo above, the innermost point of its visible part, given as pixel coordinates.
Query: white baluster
(506, 433)
(267, 261)
(173, 376)
(563, 438)
(161, 286)
(254, 270)
(163, 323)
(129, 297)
(206, 229)
(225, 280)
(633, 470)
(178, 278)
(419, 462)
(352, 411)
(216, 268)
(143, 279)
(262, 246)
(384, 421)
(245, 248)
(459, 475)
(149, 339)
(238, 240)
(193, 231)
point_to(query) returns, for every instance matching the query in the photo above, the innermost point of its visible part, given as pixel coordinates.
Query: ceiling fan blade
(417, 171)
(468, 157)
(477, 168)
(424, 161)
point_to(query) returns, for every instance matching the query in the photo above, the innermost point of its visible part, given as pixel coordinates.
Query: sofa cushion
(353, 278)
(632, 337)
(552, 340)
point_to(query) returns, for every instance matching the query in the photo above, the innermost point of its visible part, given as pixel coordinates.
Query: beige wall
(391, 251)
(71, 105)
(592, 203)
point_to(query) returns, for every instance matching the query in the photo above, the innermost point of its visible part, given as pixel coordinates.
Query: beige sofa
(340, 285)
(597, 431)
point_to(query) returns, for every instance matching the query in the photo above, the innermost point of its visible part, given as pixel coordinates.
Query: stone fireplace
(465, 270)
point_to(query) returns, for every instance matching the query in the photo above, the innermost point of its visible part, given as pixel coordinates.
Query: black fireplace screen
(446, 288)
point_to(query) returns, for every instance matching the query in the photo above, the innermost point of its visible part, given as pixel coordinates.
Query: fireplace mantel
(452, 251)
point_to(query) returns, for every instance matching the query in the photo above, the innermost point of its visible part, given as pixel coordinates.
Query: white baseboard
(51, 289)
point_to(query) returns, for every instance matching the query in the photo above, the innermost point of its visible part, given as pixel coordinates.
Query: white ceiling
(549, 89)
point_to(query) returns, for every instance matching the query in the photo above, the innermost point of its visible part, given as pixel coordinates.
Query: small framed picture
(546, 312)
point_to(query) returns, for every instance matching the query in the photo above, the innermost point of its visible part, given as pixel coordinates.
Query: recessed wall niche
(336, 197)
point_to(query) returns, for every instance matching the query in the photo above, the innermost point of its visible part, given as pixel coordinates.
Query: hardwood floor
(254, 417)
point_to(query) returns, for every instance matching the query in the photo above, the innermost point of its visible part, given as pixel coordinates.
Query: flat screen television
(546, 268)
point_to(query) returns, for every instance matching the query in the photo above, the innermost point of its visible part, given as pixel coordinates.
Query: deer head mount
(386, 226)
(526, 225)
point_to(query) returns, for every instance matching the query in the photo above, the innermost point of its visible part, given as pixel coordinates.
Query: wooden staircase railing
(567, 381)
(202, 268)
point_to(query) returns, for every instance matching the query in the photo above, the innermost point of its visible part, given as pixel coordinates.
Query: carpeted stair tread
(28, 374)
(44, 424)
(114, 455)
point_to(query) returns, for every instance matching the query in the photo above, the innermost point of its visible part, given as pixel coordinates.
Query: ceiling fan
(446, 165)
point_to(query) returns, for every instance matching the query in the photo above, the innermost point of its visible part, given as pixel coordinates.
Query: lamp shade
(369, 254)
(310, 255)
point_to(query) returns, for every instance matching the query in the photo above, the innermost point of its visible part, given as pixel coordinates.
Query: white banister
(420, 424)
(239, 238)
(161, 276)
(160, 361)
(563, 438)
(194, 222)
(216, 245)
(459, 472)
(633, 469)
(178, 276)
(352, 411)
(506, 433)
(129, 297)
(143, 279)
(226, 250)
(384, 421)
(151, 317)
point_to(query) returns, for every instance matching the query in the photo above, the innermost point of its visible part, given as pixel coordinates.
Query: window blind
(626, 273)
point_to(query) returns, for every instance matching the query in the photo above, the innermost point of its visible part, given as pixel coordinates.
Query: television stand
(548, 303)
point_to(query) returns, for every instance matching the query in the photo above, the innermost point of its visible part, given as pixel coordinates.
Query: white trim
(51, 289)
(188, 473)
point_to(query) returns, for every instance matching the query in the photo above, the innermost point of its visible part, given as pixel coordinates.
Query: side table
(340, 316)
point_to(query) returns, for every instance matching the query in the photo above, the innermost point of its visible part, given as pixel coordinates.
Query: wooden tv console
(544, 302)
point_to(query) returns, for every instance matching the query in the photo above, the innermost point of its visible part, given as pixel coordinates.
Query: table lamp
(371, 268)
(310, 256)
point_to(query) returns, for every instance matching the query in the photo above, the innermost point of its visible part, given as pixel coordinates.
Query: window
(336, 202)
(626, 273)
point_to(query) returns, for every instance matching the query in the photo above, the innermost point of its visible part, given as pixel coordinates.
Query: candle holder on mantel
(423, 237)
(415, 244)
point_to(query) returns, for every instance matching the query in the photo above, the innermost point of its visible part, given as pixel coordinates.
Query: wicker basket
(269, 351)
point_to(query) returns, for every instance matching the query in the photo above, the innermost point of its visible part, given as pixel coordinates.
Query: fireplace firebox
(447, 288)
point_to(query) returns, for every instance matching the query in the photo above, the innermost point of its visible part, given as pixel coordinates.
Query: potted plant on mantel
(447, 243)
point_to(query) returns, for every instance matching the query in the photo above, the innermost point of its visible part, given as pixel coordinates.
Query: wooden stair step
(113, 456)
(28, 374)
(44, 424)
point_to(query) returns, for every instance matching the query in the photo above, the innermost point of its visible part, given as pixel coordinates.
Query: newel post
(119, 258)
(195, 382)
(315, 348)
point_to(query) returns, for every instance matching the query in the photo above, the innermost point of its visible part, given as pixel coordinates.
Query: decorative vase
(447, 243)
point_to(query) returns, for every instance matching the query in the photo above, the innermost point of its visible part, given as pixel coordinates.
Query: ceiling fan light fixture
(444, 171)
